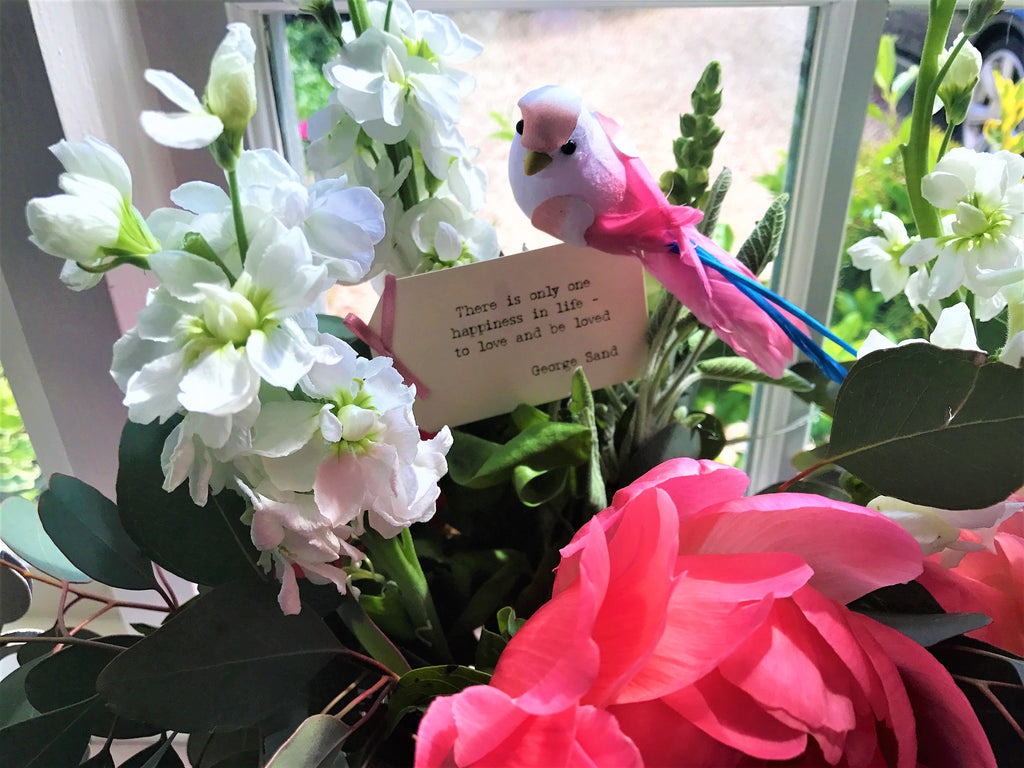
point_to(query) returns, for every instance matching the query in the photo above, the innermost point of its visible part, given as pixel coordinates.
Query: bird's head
(560, 149)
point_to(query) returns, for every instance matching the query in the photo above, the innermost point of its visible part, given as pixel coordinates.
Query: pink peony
(712, 628)
(990, 581)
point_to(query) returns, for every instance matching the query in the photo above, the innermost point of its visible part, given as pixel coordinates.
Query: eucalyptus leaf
(416, 689)
(205, 545)
(927, 629)
(993, 681)
(86, 526)
(50, 739)
(22, 531)
(158, 755)
(740, 369)
(69, 677)
(932, 426)
(316, 744)
(207, 749)
(824, 390)
(229, 659)
(14, 704)
(102, 759)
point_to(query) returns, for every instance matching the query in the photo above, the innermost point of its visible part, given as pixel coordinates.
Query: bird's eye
(569, 147)
(519, 127)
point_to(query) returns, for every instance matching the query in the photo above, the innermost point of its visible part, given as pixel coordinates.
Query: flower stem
(409, 192)
(236, 213)
(360, 16)
(915, 155)
(396, 557)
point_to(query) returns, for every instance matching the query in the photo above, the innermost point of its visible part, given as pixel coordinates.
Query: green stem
(370, 636)
(360, 16)
(396, 558)
(915, 156)
(945, 140)
(236, 213)
(409, 192)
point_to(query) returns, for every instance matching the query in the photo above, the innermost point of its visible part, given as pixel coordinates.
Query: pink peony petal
(718, 601)
(632, 616)
(852, 550)
(435, 739)
(948, 731)
(729, 715)
(786, 649)
(600, 743)
(693, 485)
(552, 660)
(667, 740)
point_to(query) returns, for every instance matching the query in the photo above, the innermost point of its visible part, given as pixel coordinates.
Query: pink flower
(712, 628)
(990, 581)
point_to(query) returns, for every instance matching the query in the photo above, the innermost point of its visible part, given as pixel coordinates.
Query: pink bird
(577, 176)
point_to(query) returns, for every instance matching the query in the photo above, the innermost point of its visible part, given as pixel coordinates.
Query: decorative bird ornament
(578, 177)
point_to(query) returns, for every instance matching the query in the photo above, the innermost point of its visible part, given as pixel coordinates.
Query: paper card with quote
(486, 337)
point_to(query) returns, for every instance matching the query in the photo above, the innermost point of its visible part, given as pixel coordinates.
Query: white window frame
(90, 56)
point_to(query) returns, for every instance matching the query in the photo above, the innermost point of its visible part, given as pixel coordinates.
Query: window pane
(639, 67)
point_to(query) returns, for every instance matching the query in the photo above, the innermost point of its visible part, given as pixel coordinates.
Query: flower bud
(979, 13)
(231, 90)
(957, 86)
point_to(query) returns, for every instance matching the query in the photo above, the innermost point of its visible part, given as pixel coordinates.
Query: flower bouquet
(577, 581)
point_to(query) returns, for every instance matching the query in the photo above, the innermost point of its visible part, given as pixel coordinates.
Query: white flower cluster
(391, 123)
(981, 250)
(321, 442)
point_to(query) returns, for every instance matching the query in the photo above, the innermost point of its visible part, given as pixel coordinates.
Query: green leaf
(86, 526)
(763, 244)
(205, 750)
(581, 405)
(370, 636)
(885, 64)
(316, 744)
(14, 704)
(932, 426)
(102, 759)
(22, 531)
(55, 738)
(824, 390)
(226, 661)
(207, 545)
(488, 650)
(672, 441)
(478, 463)
(418, 688)
(740, 369)
(158, 755)
(993, 681)
(713, 205)
(69, 677)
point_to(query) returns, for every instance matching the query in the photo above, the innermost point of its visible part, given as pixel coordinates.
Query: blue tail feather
(765, 299)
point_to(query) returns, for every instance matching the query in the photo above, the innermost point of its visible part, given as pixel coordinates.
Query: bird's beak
(535, 162)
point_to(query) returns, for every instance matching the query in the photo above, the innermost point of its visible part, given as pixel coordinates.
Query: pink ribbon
(381, 342)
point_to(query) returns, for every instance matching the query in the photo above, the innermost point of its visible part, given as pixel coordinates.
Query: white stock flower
(205, 343)
(228, 102)
(938, 530)
(881, 255)
(93, 222)
(439, 233)
(391, 93)
(341, 222)
(289, 530)
(982, 247)
(356, 446)
(954, 329)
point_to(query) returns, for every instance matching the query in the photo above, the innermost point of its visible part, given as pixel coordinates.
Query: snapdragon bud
(956, 89)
